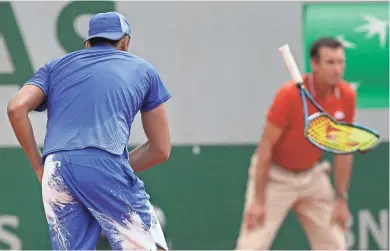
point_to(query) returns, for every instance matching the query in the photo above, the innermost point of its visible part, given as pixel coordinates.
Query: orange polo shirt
(293, 151)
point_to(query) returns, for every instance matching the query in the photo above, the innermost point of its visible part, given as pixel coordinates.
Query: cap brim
(108, 35)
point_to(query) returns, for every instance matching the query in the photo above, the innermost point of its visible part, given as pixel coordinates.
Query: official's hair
(328, 42)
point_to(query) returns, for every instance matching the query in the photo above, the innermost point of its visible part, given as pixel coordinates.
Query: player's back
(93, 96)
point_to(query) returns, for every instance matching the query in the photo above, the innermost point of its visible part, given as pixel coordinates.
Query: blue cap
(110, 25)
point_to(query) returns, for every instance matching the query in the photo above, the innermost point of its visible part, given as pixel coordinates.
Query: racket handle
(291, 64)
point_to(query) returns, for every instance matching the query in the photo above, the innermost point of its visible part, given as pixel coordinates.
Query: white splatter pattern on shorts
(55, 197)
(132, 233)
(128, 235)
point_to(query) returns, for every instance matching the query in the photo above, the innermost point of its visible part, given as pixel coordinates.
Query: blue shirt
(92, 97)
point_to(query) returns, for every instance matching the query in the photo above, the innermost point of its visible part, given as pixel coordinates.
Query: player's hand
(254, 214)
(39, 173)
(341, 214)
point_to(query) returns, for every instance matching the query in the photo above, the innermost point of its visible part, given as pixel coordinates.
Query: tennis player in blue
(89, 183)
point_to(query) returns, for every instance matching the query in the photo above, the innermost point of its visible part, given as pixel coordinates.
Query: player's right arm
(32, 96)
(155, 123)
(276, 122)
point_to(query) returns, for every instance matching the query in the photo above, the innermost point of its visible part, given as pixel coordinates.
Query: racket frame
(297, 78)
(305, 94)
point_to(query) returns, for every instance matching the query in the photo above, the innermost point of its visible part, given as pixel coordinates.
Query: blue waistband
(91, 151)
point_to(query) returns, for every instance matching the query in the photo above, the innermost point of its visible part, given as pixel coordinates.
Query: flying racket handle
(291, 64)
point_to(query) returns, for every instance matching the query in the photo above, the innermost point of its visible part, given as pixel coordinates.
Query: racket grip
(290, 63)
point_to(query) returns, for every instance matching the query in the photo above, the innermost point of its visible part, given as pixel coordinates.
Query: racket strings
(344, 138)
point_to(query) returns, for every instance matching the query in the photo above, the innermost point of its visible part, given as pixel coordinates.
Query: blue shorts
(90, 190)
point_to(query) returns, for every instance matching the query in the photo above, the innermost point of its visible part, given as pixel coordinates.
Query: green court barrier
(201, 191)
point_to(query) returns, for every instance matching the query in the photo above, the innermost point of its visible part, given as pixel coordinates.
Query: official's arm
(277, 120)
(342, 164)
(342, 174)
(270, 137)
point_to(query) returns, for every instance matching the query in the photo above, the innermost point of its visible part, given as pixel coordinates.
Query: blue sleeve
(41, 80)
(157, 92)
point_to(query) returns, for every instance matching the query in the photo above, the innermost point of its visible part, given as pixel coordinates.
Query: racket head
(337, 137)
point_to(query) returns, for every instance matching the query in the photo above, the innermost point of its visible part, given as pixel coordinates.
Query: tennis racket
(321, 129)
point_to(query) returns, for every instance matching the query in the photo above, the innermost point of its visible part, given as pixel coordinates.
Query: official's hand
(341, 214)
(254, 215)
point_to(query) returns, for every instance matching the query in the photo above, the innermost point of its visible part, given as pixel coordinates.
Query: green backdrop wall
(363, 28)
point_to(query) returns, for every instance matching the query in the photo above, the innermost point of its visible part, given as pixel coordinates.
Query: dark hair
(100, 41)
(328, 42)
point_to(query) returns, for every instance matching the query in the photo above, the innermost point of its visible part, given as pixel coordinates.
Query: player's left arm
(32, 96)
(343, 163)
(155, 123)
